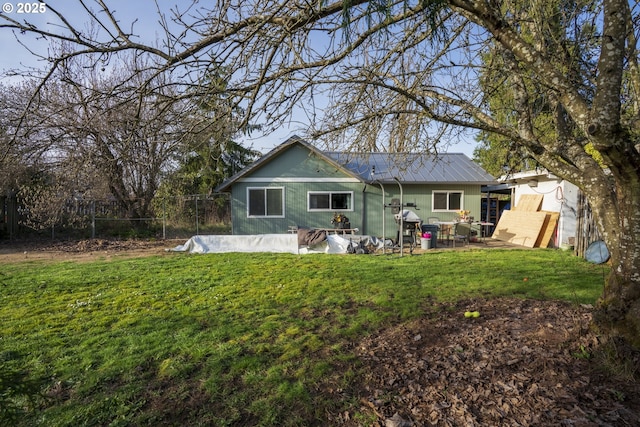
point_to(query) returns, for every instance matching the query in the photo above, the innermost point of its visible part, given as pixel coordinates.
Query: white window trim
(309, 193)
(265, 189)
(433, 196)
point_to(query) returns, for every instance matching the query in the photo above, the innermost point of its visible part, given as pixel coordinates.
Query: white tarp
(287, 243)
(280, 243)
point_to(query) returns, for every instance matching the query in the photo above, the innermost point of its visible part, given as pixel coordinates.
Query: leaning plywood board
(520, 228)
(545, 239)
(529, 202)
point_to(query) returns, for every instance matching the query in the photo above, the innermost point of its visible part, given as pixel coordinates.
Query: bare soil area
(84, 250)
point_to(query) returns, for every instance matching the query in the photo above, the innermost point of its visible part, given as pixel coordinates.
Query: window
(329, 201)
(265, 202)
(447, 201)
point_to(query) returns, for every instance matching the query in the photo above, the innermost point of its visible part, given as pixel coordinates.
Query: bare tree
(16, 154)
(9, 152)
(399, 75)
(112, 128)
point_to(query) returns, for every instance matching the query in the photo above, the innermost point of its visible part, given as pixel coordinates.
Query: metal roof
(445, 168)
(410, 168)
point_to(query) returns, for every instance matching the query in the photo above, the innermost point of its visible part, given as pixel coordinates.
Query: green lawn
(231, 339)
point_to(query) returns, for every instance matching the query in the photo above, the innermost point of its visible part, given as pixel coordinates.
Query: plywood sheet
(520, 227)
(545, 239)
(529, 202)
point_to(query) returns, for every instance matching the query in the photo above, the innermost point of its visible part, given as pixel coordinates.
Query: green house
(298, 185)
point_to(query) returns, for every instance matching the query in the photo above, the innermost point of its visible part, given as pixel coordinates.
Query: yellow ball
(468, 314)
(475, 314)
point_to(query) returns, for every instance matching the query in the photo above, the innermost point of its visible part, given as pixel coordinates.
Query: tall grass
(234, 339)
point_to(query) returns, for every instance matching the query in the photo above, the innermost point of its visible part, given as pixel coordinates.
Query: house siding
(299, 169)
(366, 214)
(296, 213)
(421, 196)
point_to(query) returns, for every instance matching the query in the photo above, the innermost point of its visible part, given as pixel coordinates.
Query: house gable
(298, 163)
(292, 160)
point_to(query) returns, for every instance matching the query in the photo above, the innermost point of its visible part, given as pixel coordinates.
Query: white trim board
(298, 179)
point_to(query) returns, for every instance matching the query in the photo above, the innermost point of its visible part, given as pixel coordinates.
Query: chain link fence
(173, 217)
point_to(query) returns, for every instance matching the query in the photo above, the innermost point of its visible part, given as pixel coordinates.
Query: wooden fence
(586, 229)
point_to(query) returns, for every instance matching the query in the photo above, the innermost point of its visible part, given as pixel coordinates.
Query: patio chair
(444, 233)
(461, 233)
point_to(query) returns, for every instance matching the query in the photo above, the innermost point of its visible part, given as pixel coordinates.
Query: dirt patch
(84, 250)
(521, 363)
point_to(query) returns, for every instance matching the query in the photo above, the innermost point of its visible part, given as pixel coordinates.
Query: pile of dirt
(521, 363)
(77, 250)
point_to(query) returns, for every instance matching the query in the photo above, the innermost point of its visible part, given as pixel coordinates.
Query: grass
(233, 339)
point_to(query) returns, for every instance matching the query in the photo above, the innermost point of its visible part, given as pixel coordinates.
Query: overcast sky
(15, 56)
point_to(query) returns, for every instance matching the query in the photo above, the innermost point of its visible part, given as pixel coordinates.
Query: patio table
(479, 224)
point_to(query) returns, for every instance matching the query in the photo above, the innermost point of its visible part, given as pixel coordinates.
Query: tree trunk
(618, 311)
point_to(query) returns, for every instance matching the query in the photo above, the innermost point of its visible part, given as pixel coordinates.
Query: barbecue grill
(408, 227)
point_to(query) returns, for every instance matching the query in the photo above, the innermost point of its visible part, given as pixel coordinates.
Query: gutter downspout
(362, 215)
(384, 245)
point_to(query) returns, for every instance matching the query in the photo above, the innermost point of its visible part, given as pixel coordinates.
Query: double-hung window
(265, 202)
(330, 200)
(447, 201)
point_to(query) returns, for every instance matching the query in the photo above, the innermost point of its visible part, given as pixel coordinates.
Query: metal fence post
(164, 219)
(197, 222)
(93, 219)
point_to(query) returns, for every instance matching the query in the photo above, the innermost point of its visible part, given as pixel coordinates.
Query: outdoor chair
(461, 233)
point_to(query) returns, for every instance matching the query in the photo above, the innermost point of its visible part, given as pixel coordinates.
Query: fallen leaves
(514, 366)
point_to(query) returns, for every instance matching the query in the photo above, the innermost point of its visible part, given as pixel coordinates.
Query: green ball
(468, 314)
(475, 314)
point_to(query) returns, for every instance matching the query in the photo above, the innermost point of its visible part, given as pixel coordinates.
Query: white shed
(558, 196)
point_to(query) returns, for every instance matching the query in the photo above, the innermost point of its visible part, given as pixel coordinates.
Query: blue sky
(127, 11)
(144, 13)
